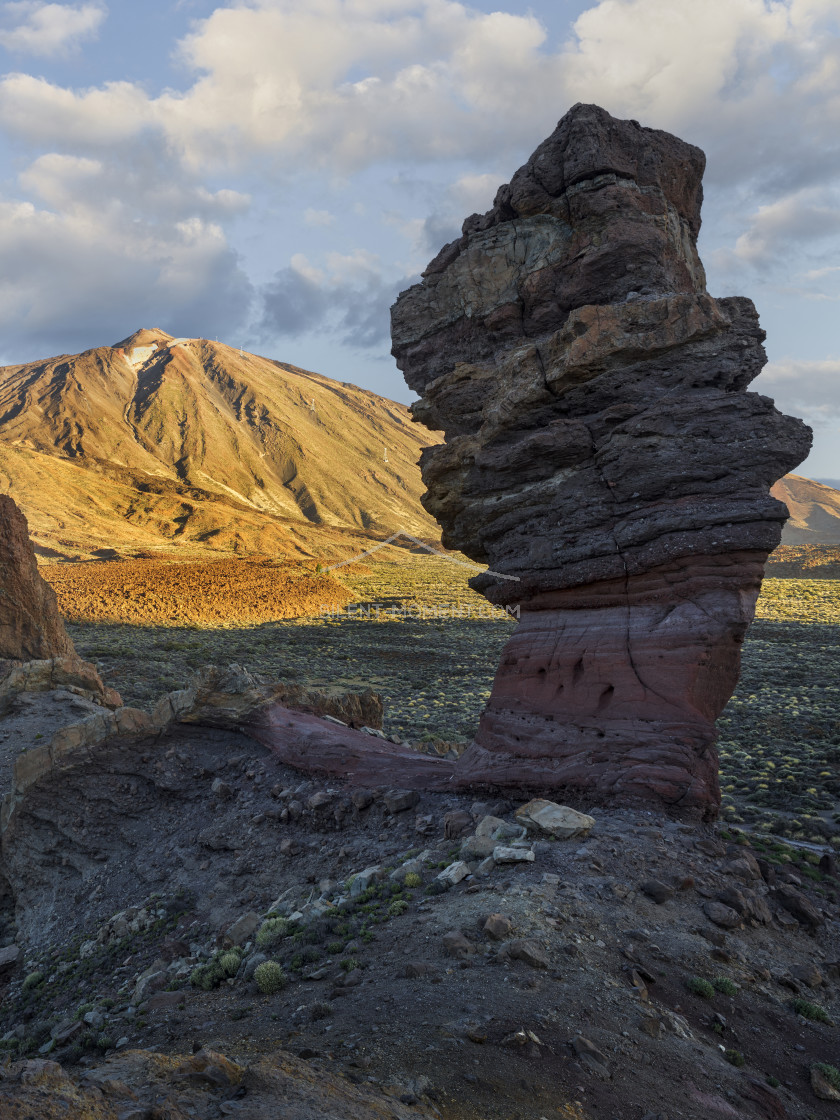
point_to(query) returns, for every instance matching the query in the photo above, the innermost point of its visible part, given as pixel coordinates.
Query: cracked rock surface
(604, 458)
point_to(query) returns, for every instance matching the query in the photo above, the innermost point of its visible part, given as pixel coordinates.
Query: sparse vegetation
(270, 977)
(812, 1011)
(700, 987)
(830, 1073)
(725, 986)
(735, 1058)
(271, 933)
(222, 966)
(230, 962)
(412, 879)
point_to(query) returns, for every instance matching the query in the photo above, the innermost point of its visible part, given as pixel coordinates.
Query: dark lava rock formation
(30, 625)
(601, 447)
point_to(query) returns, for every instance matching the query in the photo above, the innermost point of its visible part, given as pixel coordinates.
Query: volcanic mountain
(814, 511)
(157, 444)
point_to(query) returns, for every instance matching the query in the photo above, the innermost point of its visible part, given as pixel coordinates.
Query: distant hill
(814, 511)
(159, 445)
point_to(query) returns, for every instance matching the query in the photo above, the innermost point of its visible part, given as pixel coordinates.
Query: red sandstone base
(315, 745)
(617, 694)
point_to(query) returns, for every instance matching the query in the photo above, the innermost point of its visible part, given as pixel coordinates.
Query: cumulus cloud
(349, 297)
(344, 82)
(86, 267)
(35, 27)
(809, 215)
(349, 83)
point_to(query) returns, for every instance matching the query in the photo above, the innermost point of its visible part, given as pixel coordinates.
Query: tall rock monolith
(30, 625)
(603, 453)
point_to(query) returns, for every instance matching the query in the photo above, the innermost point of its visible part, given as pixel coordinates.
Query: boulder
(498, 926)
(453, 874)
(798, 906)
(502, 854)
(528, 951)
(822, 1087)
(603, 458)
(31, 628)
(554, 820)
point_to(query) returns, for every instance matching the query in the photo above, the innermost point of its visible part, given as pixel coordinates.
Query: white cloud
(43, 113)
(809, 215)
(806, 388)
(39, 28)
(318, 218)
(87, 267)
(349, 83)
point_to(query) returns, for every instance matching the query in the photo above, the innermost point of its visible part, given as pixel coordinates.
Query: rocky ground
(417, 634)
(183, 902)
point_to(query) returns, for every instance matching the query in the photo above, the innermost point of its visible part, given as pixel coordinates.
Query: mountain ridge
(187, 442)
(814, 510)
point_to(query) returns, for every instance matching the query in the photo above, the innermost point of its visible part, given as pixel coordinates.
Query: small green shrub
(269, 977)
(208, 976)
(321, 1010)
(272, 932)
(32, 981)
(229, 962)
(726, 986)
(412, 879)
(399, 906)
(700, 987)
(310, 954)
(811, 1011)
(335, 947)
(735, 1058)
(349, 963)
(773, 1082)
(830, 1073)
(105, 1042)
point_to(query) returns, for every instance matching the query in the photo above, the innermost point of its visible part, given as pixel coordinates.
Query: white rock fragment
(454, 873)
(512, 855)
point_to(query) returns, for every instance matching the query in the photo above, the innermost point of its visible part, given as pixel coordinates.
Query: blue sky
(273, 172)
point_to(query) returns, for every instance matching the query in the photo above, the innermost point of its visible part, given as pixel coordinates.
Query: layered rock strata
(604, 458)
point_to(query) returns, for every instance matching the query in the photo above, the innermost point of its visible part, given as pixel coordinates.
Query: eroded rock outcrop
(601, 452)
(30, 625)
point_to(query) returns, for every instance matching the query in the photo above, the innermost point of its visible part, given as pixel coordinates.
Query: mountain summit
(157, 442)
